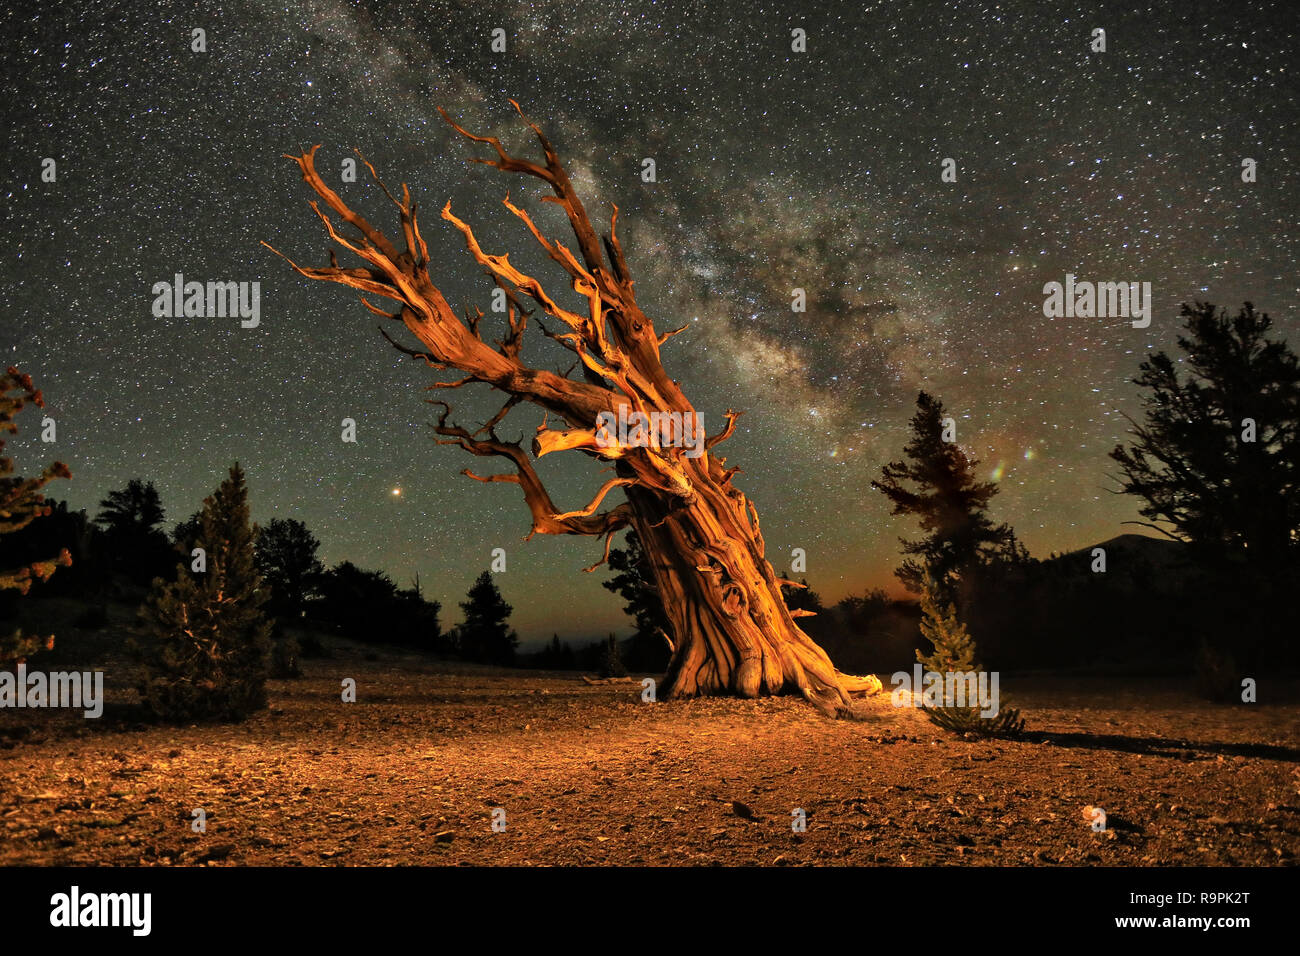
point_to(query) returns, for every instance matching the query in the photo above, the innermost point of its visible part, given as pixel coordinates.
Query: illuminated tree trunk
(732, 633)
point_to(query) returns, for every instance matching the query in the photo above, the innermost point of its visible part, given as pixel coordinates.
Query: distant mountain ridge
(1134, 559)
(1159, 551)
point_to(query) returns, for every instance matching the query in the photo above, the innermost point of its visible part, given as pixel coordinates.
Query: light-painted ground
(591, 775)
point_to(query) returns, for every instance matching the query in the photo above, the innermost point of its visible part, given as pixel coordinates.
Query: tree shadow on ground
(1176, 748)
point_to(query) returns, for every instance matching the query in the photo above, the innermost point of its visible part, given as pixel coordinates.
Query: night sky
(776, 170)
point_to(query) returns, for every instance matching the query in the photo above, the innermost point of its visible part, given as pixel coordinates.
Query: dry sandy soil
(409, 774)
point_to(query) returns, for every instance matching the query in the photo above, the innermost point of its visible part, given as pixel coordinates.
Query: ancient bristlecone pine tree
(731, 630)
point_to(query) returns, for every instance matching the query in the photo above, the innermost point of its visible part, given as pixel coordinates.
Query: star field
(775, 169)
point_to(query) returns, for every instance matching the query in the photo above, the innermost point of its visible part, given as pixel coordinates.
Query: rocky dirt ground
(409, 774)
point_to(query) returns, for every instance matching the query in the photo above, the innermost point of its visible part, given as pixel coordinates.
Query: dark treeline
(1213, 466)
(1153, 610)
(118, 554)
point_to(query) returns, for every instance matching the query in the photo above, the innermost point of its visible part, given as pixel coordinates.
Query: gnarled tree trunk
(732, 632)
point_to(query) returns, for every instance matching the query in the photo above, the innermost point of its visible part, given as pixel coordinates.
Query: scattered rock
(218, 852)
(742, 810)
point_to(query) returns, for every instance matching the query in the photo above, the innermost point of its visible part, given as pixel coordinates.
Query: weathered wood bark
(732, 632)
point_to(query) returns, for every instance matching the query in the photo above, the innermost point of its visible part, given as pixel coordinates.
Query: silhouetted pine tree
(611, 661)
(130, 518)
(634, 583)
(484, 635)
(1216, 462)
(208, 655)
(936, 483)
(286, 559)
